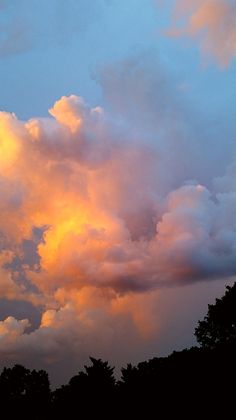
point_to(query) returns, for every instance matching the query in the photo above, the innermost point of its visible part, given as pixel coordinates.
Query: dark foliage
(193, 383)
(219, 325)
(24, 391)
(91, 389)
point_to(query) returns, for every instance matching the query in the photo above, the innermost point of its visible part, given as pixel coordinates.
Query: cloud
(107, 222)
(86, 323)
(211, 23)
(11, 330)
(8, 288)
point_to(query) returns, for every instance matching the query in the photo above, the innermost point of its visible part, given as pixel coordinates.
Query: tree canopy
(219, 325)
(201, 377)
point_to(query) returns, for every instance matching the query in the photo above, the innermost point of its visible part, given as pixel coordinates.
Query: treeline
(193, 383)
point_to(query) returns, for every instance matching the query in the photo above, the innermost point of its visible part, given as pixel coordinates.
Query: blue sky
(64, 45)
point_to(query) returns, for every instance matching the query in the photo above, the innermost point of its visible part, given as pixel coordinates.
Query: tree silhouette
(91, 389)
(219, 325)
(162, 387)
(100, 374)
(22, 390)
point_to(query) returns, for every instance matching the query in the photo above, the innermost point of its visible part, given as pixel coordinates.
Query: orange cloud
(100, 236)
(92, 232)
(10, 143)
(212, 23)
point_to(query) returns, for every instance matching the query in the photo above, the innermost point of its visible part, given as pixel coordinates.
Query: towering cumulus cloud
(212, 23)
(88, 233)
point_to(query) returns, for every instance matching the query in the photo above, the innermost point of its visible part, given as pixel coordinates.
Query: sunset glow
(117, 207)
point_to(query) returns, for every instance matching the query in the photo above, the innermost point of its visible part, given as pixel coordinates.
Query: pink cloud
(211, 23)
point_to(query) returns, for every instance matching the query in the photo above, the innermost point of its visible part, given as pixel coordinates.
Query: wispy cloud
(210, 23)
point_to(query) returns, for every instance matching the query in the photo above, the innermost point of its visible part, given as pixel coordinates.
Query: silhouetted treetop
(219, 325)
(24, 391)
(19, 381)
(98, 375)
(201, 378)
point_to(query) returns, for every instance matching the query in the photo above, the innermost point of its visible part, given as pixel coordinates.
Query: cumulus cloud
(86, 323)
(8, 288)
(211, 23)
(112, 229)
(10, 331)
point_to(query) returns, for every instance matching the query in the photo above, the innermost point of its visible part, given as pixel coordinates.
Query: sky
(117, 169)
